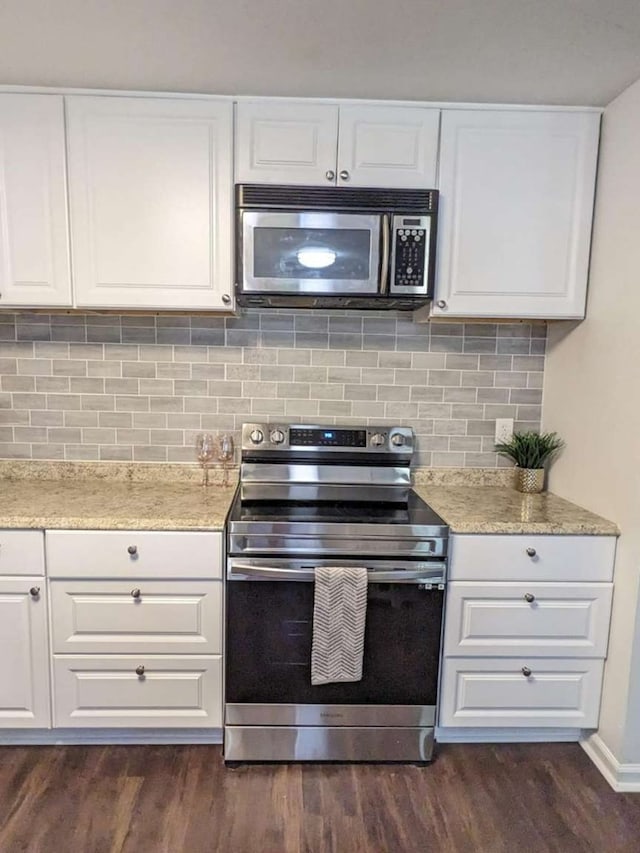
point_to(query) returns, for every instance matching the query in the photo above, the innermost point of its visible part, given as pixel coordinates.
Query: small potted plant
(530, 451)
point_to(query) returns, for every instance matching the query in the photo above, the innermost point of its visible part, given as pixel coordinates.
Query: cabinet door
(286, 142)
(388, 146)
(496, 692)
(34, 241)
(120, 691)
(150, 183)
(24, 663)
(516, 203)
(543, 620)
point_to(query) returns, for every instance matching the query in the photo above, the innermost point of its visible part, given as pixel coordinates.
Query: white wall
(592, 398)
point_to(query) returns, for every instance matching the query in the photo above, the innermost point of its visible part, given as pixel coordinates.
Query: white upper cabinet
(286, 142)
(150, 191)
(296, 142)
(34, 245)
(516, 203)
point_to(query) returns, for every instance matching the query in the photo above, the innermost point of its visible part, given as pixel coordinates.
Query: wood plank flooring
(180, 799)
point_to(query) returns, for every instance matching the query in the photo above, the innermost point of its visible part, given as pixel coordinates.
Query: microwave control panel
(410, 238)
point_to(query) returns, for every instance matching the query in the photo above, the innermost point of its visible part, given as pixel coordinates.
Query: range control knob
(257, 436)
(398, 440)
(377, 439)
(277, 436)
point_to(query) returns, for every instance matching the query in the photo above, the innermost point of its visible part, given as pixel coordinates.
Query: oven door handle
(434, 574)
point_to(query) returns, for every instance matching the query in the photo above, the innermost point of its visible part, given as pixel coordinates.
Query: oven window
(312, 253)
(269, 633)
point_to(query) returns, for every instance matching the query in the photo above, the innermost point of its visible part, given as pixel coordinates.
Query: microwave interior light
(316, 258)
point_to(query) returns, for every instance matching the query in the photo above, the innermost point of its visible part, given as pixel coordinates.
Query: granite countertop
(495, 509)
(111, 505)
(104, 496)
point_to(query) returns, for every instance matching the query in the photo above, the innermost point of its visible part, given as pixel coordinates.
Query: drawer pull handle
(531, 552)
(525, 671)
(140, 671)
(34, 592)
(135, 593)
(528, 596)
(132, 550)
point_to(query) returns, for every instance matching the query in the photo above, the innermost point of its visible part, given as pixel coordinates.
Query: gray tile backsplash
(121, 388)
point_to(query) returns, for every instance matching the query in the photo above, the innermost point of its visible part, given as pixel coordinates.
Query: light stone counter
(491, 509)
(111, 496)
(86, 504)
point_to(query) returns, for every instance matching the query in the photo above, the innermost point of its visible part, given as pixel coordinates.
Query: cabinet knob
(132, 550)
(140, 671)
(34, 592)
(529, 597)
(531, 552)
(344, 175)
(135, 593)
(330, 175)
(441, 303)
(526, 671)
(226, 299)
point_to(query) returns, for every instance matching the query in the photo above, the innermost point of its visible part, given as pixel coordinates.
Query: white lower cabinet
(136, 628)
(524, 641)
(124, 691)
(24, 654)
(515, 692)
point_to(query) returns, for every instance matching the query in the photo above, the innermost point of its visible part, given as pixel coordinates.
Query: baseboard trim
(115, 737)
(623, 778)
(513, 735)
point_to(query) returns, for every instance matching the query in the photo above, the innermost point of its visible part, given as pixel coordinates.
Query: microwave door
(311, 253)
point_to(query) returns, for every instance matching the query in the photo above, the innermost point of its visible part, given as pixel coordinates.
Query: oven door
(268, 649)
(313, 253)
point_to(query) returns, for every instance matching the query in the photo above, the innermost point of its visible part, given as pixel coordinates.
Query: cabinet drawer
(510, 558)
(494, 692)
(547, 620)
(133, 554)
(105, 691)
(21, 552)
(138, 617)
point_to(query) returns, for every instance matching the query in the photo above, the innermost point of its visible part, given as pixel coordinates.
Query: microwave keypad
(409, 257)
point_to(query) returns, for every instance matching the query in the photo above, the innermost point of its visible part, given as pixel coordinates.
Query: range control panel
(410, 238)
(301, 437)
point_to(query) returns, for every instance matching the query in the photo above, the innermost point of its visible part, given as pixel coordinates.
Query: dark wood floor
(482, 799)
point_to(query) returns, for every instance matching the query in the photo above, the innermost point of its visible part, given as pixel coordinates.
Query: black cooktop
(410, 509)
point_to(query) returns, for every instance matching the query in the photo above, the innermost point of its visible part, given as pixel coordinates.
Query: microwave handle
(385, 230)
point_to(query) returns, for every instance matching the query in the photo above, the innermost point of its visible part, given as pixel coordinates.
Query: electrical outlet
(504, 429)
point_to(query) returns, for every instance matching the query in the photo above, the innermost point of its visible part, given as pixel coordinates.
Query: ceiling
(527, 51)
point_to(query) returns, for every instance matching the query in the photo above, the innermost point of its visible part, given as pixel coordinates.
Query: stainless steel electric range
(319, 496)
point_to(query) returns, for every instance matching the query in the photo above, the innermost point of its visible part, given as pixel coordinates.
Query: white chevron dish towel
(339, 617)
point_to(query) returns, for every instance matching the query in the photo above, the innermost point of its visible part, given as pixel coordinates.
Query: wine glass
(205, 451)
(226, 452)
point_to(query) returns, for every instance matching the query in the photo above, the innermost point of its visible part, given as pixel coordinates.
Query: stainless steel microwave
(335, 247)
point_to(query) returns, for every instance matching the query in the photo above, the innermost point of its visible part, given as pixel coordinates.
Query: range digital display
(300, 437)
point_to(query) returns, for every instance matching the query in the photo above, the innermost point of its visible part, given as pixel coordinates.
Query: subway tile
(187, 387)
(76, 334)
(12, 450)
(448, 460)
(277, 339)
(139, 369)
(242, 338)
(144, 353)
(81, 452)
(28, 434)
(528, 362)
(64, 402)
(202, 405)
(467, 411)
(379, 343)
(295, 390)
(7, 366)
(233, 405)
(253, 355)
(529, 413)
(125, 403)
(150, 420)
(479, 460)
(167, 436)
(139, 335)
(328, 391)
(259, 389)
(81, 419)
(115, 453)
(401, 411)
(479, 345)
(513, 346)
(443, 377)
(222, 388)
(537, 347)
(363, 392)
(535, 380)
(206, 337)
(497, 410)
(53, 384)
(33, 332)
(480, 330)
(18, 383)
(296, 356)
(175, 370)
(487, 427)
(96, 435)
(243, 371)
(266, 406)
(343, 374)
(82, 385)
(180, 454)
(114, 419)
(219, 423)
(378, 376)
(132, 436)
(104, 368)
(26, 401)
(104, 334)
(442, 344)
(493, 395)
(48, 452)
(361, 358)
(225, 355)
(34, 366)
(460, 395)
(495, 362)
(149, 454)
(427, 394)
(16, 350)
(327, 358)
(434, 410)
(395, 359)
(65, 435)
(461, 362)
(434, 442)
(12, 416)
(302, 408)
(478, 378)
(390, 392)
(531, 396)
(310, 374)
(510, 379)
(335, 408)
(271, 372)
(44, 418)
(311, 323)
(276, 322)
